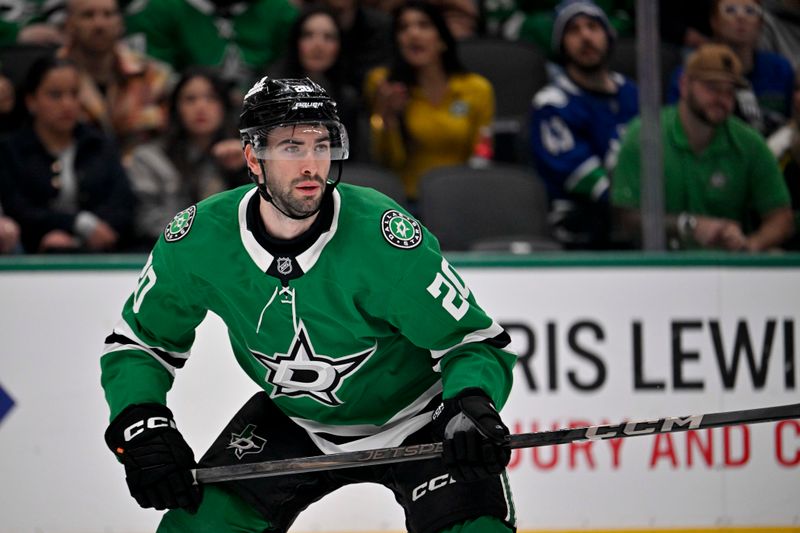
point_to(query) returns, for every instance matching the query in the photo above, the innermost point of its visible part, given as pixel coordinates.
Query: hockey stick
(415, 452)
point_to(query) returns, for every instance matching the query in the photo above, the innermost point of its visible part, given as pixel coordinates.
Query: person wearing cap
(766, 101)
(576, 123)
(722, 185)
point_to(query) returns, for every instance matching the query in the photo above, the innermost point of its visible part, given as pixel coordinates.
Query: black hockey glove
(474, 436)
(156, 457)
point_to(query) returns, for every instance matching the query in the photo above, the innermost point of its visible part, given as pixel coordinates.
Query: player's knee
(484, 524)
(220, 512)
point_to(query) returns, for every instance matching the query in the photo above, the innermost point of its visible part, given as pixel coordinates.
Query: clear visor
(321, 140)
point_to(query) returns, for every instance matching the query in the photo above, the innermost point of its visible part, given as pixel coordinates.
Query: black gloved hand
(156, 457)
(474, 437)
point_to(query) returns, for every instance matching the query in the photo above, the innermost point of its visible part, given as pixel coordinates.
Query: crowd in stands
(117, 114)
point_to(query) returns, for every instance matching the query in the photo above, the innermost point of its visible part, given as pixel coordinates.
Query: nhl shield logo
(401, 231)
(180, 225)
(284, 265)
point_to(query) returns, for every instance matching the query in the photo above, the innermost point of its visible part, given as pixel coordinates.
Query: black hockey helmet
(272, 103)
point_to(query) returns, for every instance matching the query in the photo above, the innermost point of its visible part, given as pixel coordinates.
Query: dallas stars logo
(246, 442)
(180, 225)
(399, 230)
(303, 372)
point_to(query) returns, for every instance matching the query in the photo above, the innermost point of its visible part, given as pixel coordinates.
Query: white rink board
(57, 476)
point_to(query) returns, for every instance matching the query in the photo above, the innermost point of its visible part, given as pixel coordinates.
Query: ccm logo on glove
(154, 422)
(158, 461)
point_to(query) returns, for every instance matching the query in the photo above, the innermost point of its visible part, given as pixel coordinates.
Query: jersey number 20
(147, 279)
(453, 286)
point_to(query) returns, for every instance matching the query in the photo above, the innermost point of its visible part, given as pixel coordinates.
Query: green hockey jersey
(355, 335)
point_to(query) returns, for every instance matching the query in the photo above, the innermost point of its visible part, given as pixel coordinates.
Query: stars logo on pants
(303, 372)
(246, 442)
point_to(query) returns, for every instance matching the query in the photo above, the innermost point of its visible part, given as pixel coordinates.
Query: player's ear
(252, 160)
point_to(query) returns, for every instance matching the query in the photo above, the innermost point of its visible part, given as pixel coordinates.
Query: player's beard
(287, 200)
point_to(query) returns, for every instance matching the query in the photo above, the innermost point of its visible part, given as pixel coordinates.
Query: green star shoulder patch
(180, 225)
(399, 230)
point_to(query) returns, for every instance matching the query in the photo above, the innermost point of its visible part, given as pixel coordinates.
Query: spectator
(766, 103)
(241, 38)
(427, 109)
(122, 92)
(785, 145)
(61, 180)
(781, 30)
(365, 39)
(717, 170)
(315, 52)
(199, 155)
(576, 123)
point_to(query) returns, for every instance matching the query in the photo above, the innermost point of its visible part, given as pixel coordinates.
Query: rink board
(599, 342)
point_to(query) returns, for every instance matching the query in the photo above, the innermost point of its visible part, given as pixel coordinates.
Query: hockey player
(342, 308)
(576, 124)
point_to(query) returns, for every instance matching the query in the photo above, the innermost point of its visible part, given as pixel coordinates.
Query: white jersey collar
(263, 258)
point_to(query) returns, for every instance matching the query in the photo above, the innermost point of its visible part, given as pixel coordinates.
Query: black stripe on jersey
(339, 439)
(116, 338)
(499, 341)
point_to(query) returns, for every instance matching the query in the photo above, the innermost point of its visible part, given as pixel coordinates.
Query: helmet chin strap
(262, 190)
